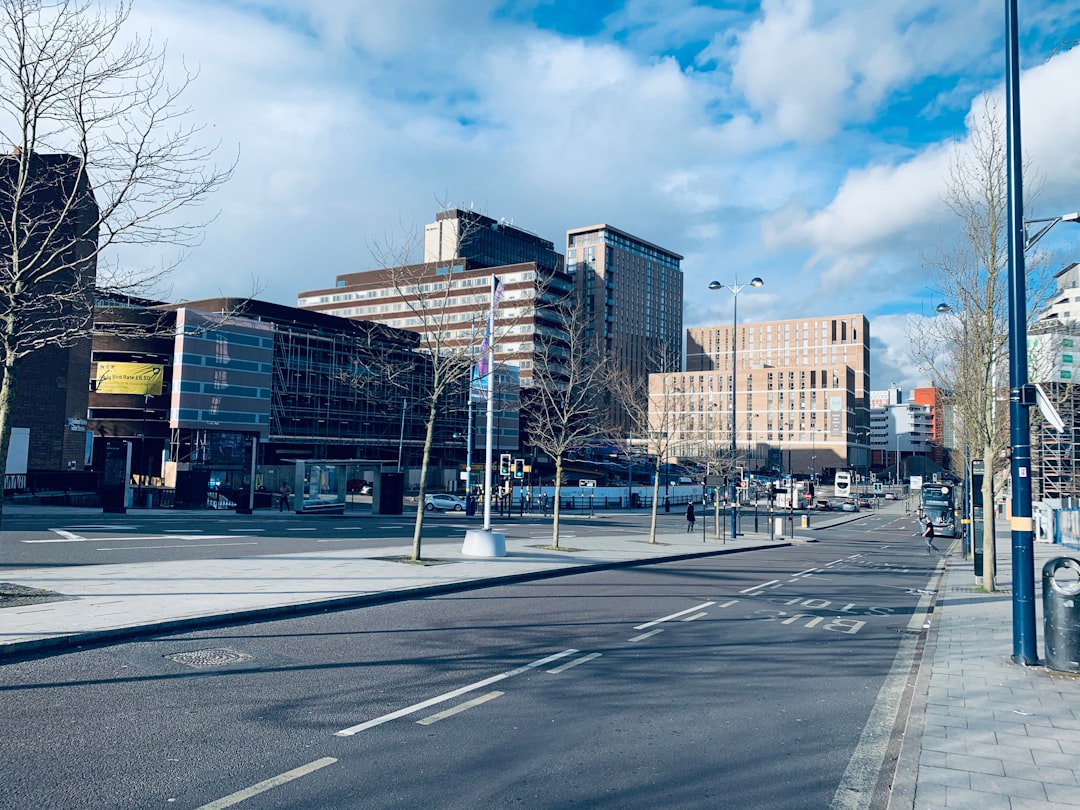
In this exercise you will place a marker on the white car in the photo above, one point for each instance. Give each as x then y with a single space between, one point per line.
890 496
849 506
444 503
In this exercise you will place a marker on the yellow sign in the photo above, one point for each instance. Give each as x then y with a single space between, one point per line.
129 378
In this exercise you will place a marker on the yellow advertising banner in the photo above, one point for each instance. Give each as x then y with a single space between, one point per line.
129 378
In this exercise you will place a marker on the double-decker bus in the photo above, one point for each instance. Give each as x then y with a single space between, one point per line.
938 502
842 484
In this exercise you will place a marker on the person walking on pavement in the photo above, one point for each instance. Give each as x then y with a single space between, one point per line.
283 496
928 533
690 517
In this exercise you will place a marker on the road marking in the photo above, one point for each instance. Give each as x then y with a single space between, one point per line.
806 572
472 687
352 528
758 587
468 704
247 529
729 603
132 539
173 545
267 784
674 615
302 529
650 634
696 616
574 663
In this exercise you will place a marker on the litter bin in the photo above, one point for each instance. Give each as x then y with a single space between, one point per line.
977 559
1061 613
780 527
470 506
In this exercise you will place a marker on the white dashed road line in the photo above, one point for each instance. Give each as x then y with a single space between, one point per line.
468 704
472 687
681 613
267 784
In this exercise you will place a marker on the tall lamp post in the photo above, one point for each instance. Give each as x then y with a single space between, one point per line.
735 289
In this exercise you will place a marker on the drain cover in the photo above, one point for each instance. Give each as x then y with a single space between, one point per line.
201 659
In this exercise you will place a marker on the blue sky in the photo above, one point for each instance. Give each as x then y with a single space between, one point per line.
803 141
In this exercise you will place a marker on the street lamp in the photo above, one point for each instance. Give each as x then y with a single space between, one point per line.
1029 241
734 289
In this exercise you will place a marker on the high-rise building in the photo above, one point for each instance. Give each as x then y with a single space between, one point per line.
801 394
631 292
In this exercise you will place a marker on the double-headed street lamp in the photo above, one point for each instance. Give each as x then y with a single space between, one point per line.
735 289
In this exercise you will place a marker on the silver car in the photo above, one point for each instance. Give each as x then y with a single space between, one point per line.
444 503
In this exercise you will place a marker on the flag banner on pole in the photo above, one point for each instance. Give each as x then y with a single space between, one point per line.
497 295
478 383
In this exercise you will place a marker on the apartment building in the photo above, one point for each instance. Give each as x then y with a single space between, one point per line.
798 402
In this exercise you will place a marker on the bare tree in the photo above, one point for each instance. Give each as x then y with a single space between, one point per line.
101 156
450 312
651 405
966 348
567 397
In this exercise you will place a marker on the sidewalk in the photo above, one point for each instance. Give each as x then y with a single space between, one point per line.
981 732
984 732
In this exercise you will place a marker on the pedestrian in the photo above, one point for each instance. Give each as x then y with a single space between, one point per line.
283 496
690 517
928 533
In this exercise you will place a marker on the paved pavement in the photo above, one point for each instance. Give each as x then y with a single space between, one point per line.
981 731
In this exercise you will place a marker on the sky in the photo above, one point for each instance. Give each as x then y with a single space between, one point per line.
806 142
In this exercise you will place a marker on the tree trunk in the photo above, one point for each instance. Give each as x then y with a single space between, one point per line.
418 527
655 499
7 401
555 506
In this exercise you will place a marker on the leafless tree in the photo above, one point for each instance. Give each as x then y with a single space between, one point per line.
651 408
965 348
101 155
567 396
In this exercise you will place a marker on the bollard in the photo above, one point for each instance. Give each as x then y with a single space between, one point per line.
1061 614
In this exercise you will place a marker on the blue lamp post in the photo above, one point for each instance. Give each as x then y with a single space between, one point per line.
735 289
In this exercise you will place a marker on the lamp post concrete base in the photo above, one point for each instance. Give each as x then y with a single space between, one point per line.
484 543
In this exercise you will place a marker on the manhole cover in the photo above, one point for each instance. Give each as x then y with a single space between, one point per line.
201 659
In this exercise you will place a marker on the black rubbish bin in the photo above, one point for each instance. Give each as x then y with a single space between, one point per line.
977 556
470 506
1061 613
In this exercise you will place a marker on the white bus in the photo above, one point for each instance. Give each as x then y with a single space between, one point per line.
842 484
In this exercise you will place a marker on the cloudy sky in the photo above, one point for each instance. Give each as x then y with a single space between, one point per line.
803 141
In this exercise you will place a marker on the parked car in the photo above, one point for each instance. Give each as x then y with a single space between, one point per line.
444 503
849 506
823 506
890 496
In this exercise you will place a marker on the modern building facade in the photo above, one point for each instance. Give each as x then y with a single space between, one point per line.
899 431
631 293
193 385
800 395
457 234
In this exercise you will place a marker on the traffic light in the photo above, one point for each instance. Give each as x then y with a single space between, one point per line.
504 464
519 468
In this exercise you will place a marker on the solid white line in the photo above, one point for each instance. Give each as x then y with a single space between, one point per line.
128 538
378 721
650 634
674 615
174 545
574 663
468 704
262 787
758 587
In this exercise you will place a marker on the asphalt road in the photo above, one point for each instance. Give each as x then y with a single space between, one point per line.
748 680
